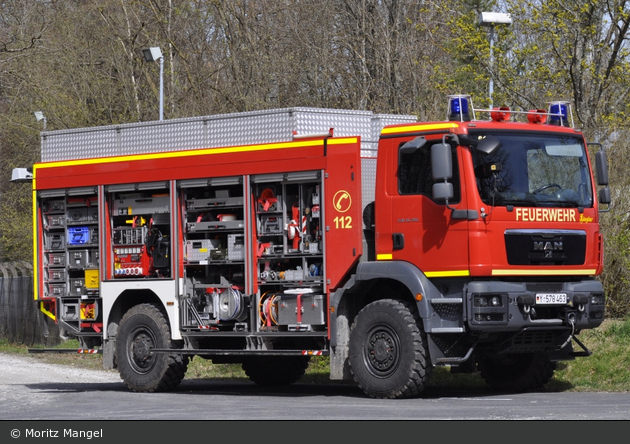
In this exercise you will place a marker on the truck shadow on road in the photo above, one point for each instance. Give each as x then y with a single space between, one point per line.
248 388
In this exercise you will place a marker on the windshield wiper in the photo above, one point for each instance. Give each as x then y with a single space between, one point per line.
562 203
519 203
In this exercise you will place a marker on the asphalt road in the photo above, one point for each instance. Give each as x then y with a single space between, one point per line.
32 390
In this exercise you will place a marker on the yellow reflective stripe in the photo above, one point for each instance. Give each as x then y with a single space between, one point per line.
46 312
420 127
342 141
586 272
460 273
196 152
35 238
35 256
384 257
453 273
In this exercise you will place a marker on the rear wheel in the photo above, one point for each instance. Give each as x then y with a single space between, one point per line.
142 328
275 370
388 350
516 372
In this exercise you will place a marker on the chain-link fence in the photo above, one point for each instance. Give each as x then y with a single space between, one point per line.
21 322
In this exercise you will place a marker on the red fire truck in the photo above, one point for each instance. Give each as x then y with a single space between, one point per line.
392 246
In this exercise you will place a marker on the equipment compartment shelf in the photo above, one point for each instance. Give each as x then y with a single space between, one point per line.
193 227
214 202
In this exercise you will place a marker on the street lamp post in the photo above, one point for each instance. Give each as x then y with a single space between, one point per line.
40 116
151 55
491 19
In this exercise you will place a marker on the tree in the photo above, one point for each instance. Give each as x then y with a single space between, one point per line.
22 25
80 62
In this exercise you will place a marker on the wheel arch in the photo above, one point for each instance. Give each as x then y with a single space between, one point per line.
128 299
374 281
383 280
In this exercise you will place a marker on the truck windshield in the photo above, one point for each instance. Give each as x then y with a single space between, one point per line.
534 170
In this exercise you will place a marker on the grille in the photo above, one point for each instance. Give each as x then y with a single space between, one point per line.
529 247
532 341
538 287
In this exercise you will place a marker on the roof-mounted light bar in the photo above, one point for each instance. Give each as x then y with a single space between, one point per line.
559 112
500 114
537 116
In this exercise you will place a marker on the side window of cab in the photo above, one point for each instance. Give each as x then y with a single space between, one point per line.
415 176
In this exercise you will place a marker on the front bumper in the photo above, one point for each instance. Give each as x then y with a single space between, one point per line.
496 306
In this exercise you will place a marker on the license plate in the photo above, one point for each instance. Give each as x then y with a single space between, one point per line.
551 298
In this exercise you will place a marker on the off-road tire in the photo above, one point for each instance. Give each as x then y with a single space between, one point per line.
388 352
275 370
144 327
516 373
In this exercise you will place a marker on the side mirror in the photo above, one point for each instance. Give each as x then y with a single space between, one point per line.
442 191
604 196
601 165
441 162
442 172
413 145
488 144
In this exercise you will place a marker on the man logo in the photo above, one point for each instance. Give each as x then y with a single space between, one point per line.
548 247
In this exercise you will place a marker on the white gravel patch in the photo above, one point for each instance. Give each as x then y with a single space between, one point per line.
16 369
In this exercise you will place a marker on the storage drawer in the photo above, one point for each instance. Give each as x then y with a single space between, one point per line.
54 241
82 236
76 286
305 309
57 274
79 259
56 259
57 290
55 221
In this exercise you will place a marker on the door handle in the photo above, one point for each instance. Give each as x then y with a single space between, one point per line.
398 240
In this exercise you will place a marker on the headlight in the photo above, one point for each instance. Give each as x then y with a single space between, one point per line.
597 299
488 301
481 301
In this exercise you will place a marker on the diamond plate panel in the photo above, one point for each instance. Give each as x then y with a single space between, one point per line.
214 131
225 130
368 181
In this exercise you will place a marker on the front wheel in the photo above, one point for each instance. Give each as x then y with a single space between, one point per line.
388 350
516 372
142 328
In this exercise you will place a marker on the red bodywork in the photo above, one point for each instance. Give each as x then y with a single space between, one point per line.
337 158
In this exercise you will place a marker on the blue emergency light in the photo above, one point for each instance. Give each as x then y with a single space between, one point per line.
559 113
459 108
